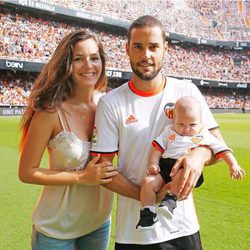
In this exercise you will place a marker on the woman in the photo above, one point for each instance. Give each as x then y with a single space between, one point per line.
74 209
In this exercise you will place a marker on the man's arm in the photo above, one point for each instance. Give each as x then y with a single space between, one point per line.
120 184
193 165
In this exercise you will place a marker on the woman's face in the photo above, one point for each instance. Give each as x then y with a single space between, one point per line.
86 63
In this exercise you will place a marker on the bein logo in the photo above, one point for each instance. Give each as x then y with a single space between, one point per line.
16 65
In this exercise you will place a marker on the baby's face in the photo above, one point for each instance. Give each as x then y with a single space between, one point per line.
187 123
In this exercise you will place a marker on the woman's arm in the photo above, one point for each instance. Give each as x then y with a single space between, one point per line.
39 133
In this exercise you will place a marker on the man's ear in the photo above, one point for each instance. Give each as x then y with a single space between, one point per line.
127 49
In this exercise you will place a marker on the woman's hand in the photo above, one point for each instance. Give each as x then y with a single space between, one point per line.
97 173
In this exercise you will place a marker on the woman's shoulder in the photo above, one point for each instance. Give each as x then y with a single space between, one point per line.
45 114
44 118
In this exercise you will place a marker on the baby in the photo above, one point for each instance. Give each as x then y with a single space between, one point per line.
186 133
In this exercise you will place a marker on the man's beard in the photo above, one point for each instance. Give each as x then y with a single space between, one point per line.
145 76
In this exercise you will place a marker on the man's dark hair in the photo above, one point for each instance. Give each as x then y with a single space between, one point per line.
146 21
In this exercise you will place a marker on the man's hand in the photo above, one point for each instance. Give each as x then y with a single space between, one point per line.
193 165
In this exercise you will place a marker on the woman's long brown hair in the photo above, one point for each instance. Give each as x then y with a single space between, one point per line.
53 85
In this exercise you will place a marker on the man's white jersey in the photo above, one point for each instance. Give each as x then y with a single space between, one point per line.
127 121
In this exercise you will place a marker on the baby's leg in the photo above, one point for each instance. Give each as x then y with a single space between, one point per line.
148 217
150 185
168 204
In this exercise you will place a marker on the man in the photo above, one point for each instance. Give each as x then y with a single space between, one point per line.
127 120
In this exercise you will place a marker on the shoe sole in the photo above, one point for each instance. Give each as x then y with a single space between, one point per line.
154 226
163 211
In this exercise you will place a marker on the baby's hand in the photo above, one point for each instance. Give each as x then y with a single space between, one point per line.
236 172
153 169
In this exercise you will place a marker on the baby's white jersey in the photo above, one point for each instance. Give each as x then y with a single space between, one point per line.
127 121
174 145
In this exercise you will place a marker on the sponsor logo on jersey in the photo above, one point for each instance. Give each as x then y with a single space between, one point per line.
131 119
169 110
197 139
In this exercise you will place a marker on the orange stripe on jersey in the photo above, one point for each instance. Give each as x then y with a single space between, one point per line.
145 93
93 153
157 146
220 154
205 146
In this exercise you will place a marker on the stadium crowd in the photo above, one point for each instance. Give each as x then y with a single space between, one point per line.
226 98
32 38
216 20
15 88
29 38
207 63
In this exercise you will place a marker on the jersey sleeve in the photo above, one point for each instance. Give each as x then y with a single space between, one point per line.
160 142
218 147
105 139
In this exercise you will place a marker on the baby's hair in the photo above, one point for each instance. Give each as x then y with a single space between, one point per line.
188 103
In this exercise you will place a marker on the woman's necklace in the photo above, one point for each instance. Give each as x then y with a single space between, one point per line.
84 114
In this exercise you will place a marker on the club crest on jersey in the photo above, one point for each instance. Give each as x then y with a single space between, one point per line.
131 119
94 137
171 137
197 139
169 110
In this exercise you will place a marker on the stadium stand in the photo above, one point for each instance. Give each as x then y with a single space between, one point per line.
32 37
15 88
226 99
209 19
